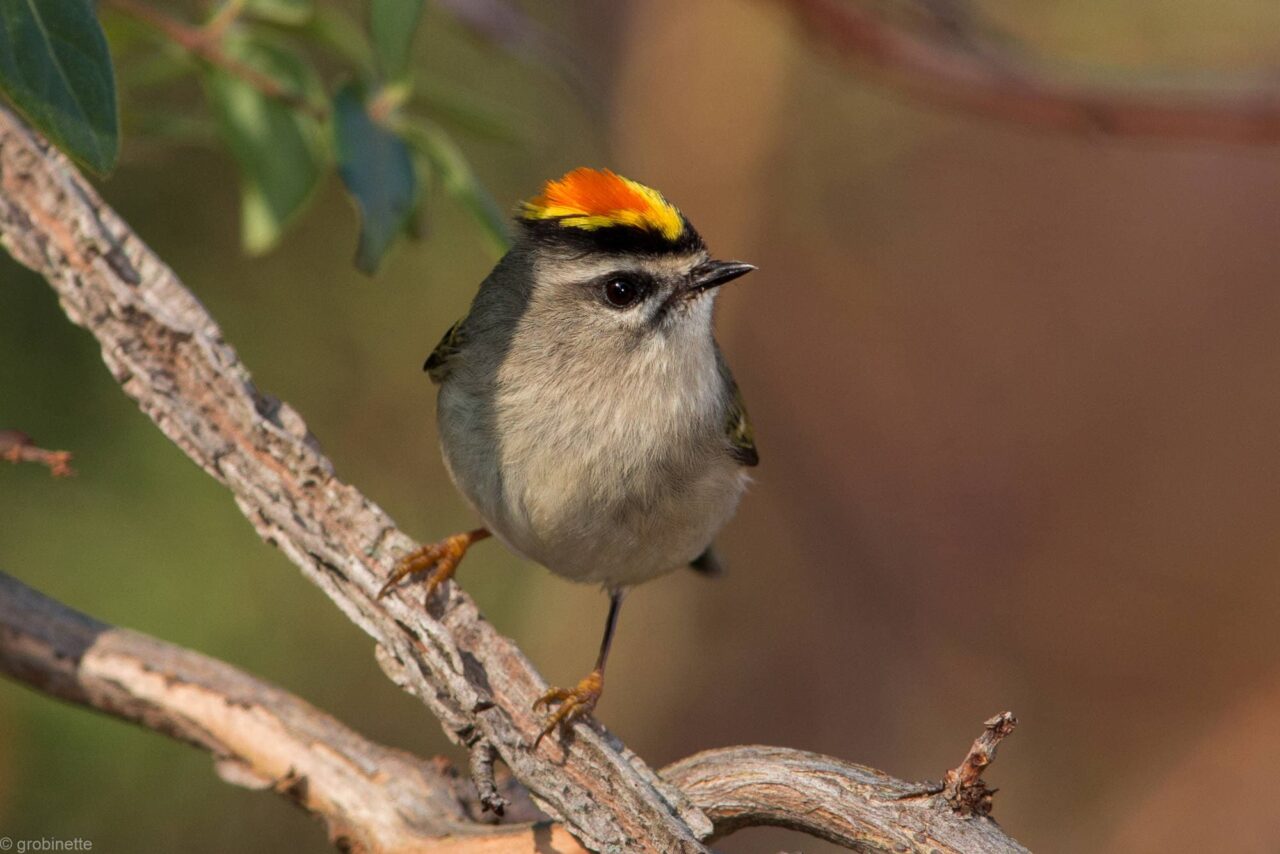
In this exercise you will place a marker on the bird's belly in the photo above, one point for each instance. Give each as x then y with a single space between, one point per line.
613 512
617 529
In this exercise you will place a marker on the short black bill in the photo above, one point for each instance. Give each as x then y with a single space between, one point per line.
713 274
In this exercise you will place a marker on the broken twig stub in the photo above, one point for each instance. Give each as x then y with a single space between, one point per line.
963 787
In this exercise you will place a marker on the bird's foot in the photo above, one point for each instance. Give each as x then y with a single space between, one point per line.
574 703
441 559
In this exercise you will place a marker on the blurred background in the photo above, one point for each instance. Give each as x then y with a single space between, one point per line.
1014 392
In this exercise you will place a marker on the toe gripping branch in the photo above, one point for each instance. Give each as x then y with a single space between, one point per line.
441 559
575 703
579 701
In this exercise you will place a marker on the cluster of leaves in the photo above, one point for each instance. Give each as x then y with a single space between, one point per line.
257 61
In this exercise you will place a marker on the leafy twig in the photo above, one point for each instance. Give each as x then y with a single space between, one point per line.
206 44
226 15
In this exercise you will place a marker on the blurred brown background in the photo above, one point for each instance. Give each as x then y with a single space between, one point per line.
1014 393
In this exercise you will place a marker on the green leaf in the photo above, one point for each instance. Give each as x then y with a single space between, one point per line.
278 146
55 68
392 24
459 181
377 169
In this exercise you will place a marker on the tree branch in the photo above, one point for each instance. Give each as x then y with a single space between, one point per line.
169 356
844 803
942 70
372 798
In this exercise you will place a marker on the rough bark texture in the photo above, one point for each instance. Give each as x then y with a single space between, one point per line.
850 805
371 797
945 68
963 787
168 355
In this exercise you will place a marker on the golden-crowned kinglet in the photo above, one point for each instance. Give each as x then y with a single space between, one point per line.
585 410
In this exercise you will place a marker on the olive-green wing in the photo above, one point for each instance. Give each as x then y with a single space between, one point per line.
737 424
437 364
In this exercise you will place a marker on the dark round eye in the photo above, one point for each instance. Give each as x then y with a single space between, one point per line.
621 292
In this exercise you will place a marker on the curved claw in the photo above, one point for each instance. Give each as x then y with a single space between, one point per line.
575 703
440 558
431 557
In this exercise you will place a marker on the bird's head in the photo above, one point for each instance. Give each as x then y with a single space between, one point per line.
611 257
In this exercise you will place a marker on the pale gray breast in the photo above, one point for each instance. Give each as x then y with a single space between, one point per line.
609 438
587 452
587 471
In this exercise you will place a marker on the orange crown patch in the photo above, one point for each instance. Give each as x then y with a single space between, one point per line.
598 198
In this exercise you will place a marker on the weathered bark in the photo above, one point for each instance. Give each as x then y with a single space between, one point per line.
371 797
844 803
168 355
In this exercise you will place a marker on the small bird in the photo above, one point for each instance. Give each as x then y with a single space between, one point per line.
585 410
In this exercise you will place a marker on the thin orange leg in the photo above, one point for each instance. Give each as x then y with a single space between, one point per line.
581 699
440 558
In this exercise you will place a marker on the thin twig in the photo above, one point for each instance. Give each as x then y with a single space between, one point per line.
950 73
17 447
483 757
226 15
206 44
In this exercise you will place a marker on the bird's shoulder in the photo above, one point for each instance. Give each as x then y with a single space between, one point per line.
439 363
737 423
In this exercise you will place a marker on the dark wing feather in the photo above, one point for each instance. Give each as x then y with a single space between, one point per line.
437 364
708 563
737 424
742 447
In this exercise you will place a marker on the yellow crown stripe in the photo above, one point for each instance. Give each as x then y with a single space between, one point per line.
591 199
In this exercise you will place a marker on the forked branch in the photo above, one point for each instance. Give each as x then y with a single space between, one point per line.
372 798
168 354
